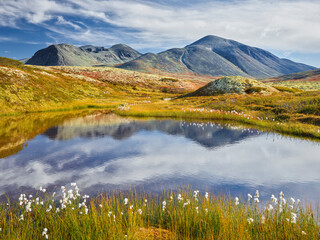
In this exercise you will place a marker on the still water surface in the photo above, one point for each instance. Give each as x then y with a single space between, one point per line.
106 152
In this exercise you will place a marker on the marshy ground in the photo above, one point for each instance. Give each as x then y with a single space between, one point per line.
185 214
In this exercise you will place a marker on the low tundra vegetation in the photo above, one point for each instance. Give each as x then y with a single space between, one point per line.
25 89
184 214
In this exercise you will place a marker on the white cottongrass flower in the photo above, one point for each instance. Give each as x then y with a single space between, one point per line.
236 201
256 200
100 205
195 193
139 211
45 233
180 198
21 217
163 208
292 200
86 210
28 207
303 233
270 207
125 201
206 195
249 197
73 184
49 209
293 217
250 220
274 199
131 206
263 219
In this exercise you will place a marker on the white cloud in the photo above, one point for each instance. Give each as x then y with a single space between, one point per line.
283 25
6 39
62 21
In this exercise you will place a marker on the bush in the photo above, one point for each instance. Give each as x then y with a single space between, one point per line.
255 90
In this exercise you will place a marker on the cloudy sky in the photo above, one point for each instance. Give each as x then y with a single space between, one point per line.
287 28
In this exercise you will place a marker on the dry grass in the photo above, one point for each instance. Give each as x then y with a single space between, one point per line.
185 214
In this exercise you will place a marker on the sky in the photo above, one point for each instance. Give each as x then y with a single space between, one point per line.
287 28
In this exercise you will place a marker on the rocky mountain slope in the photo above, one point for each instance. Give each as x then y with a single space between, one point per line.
69 55
217 56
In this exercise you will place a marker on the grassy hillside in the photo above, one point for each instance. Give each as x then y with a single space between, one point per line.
308 80
35 89
29 88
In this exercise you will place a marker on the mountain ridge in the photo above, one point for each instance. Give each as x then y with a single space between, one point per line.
216 56
89 55
210 55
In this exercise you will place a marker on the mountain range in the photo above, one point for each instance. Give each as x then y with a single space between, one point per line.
210 55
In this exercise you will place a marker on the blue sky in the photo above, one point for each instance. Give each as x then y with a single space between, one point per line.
287 28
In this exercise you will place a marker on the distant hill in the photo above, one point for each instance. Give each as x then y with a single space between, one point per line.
69 55
217 56
24 60
312 75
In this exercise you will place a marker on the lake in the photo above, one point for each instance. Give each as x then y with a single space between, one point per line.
105 152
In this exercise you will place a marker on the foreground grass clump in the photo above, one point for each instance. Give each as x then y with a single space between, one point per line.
183 215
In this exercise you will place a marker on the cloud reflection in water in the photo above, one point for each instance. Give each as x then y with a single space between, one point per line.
163 152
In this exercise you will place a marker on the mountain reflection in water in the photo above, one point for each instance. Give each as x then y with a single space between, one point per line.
106 152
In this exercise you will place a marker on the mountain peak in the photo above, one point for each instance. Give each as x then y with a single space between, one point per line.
214 42
217 56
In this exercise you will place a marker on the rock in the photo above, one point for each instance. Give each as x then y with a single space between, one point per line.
231 85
